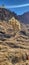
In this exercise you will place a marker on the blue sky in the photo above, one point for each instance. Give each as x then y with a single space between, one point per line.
16 5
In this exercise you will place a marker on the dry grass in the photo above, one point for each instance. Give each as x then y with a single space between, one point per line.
14 46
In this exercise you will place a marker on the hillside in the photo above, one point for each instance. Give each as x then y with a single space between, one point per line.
14 41
6 15
24 18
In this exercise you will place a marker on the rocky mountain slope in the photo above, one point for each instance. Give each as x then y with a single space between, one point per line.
24 18
14 42
6 15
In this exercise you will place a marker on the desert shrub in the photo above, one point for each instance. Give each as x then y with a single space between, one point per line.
23 32
15 60
24 57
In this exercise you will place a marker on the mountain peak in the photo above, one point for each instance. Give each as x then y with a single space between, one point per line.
24 18
6 15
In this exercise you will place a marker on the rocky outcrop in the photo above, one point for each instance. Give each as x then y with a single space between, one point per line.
15 24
